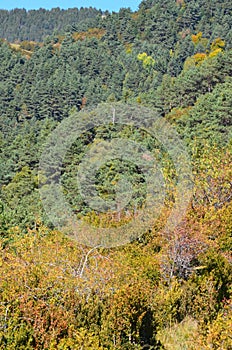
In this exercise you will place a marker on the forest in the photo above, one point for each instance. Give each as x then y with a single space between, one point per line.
112 96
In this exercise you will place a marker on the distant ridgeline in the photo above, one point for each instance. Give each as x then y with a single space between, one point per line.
36 25
156 20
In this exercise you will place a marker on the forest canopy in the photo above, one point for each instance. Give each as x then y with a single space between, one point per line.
163 289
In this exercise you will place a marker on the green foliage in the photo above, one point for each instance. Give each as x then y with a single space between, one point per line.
164 290
36 25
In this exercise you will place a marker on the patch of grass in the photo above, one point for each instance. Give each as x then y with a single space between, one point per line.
181 336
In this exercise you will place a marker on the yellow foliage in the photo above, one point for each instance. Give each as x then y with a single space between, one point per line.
217 43
216 47
219 331
128 47
147 60
215 52
142 56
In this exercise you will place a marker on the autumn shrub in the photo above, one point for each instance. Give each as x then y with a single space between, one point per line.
205 292
217 334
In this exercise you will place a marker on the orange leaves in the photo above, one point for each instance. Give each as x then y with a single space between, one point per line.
196 38
199 57
126 315
91 33
216 47
39 285
177 113
195 60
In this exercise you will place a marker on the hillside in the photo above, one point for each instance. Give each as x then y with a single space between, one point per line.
124 121
36 25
